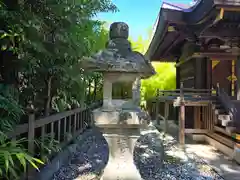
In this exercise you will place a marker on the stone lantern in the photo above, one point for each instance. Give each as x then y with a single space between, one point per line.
119 119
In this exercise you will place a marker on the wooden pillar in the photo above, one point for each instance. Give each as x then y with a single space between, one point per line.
157 108
177 87
238 77
166 115
182 118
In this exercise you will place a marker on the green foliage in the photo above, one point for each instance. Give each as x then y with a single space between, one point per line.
42 43
165 77
11 154
10 111
13 157
48 146
50 39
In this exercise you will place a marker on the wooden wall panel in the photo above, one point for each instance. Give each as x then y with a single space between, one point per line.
207 117
220 74
197 117
187 74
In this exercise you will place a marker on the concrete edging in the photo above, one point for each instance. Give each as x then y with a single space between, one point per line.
46 173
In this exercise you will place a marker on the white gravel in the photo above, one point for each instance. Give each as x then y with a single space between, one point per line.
92 156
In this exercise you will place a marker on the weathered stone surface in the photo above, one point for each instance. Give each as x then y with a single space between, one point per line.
120 164
118 55
131 106
119 30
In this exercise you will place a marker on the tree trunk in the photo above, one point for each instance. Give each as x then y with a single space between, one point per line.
47 107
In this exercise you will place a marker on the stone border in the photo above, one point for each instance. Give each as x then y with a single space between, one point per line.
47 172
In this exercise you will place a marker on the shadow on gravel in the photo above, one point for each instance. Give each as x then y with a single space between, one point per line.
89 160
148 155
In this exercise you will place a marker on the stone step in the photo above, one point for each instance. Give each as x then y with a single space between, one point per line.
224 117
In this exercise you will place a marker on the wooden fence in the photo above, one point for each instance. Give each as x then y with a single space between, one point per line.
58 126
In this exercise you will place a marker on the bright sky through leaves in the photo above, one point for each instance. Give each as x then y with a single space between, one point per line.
139 14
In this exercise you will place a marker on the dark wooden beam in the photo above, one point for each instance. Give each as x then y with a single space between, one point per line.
179 37
193 56
219 55
183 62
220 32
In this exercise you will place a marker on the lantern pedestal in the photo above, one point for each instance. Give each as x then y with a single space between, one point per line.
121 131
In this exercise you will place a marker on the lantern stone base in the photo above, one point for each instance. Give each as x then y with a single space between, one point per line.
121 133
120 165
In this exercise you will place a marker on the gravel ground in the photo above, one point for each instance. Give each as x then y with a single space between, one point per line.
88 162
177 165
92 156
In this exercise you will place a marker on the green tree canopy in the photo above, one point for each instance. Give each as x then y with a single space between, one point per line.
47 39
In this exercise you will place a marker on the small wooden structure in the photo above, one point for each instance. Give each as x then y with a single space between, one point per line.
181 98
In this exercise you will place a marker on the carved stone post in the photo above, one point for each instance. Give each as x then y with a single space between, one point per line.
136 94
107 93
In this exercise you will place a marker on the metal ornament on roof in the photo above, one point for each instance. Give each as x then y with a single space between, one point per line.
118 55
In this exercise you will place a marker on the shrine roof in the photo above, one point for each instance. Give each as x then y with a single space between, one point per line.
178 23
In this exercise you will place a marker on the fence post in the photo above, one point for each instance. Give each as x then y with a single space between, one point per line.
182 117
157 108
31 132
166 116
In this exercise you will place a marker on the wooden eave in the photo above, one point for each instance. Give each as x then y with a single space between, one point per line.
188 25
162 38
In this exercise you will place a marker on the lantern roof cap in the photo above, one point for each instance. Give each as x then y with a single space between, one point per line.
118 55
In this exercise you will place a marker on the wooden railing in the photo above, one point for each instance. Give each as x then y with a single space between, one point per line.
185 92
226 101
153 104
59 125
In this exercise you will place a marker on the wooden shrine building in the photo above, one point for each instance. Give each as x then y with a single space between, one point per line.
204 42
